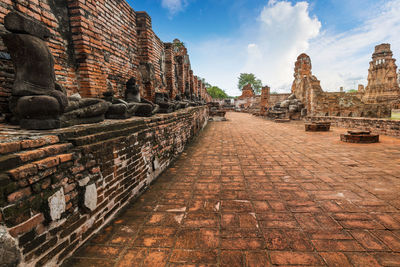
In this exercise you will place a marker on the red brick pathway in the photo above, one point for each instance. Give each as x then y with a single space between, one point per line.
250 192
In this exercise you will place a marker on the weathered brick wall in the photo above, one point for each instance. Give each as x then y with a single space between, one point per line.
96 43
378 126
87 172
338 104
104 44
92 41
277 98
347 105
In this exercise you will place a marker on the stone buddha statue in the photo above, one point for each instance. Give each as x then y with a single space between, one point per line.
118 108
166 106
83 111
188 96
145 108
37 102
182 104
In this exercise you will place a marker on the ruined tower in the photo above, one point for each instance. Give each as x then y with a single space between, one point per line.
247 92
382 85
305 85
265 94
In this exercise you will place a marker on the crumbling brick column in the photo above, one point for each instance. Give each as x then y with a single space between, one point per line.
265 93
195 86
191 82
171 70
145 49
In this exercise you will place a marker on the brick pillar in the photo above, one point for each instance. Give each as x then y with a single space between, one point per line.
191 82
265 93
181 74
170 66
88 48
186 64
202 91
145 49
195 85
199 88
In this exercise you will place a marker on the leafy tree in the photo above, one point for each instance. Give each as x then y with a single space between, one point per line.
249 78
352 91
216 92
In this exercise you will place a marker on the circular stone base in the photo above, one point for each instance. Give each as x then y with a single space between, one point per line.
360 137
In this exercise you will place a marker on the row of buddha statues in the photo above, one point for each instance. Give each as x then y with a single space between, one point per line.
38 102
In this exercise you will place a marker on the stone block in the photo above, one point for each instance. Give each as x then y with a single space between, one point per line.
9 252
90 197
57 205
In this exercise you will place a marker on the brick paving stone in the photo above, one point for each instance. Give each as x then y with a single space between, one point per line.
250 192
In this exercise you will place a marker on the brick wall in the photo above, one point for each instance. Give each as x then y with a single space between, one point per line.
88 172
378 126
277 98
95 43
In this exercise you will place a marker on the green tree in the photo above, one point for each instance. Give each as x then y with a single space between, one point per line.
216 92
249 78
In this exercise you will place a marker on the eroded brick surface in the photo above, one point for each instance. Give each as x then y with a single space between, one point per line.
250 192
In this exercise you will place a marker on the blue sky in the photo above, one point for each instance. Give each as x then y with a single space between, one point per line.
227 37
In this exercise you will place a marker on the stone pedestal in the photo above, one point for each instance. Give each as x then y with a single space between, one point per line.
361 137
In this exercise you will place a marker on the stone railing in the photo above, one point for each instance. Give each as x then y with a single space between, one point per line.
378 126
60 187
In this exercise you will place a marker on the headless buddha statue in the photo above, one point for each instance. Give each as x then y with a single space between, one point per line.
145 108
37 102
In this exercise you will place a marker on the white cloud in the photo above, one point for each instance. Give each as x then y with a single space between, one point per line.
342 59
284 31
270 45
272 2
174 6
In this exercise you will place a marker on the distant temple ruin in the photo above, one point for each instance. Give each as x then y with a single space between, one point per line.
376 100
383 86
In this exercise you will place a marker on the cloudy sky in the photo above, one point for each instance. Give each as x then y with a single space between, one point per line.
228 37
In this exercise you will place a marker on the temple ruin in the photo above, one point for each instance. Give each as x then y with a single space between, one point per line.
376 100
95 52
95 107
